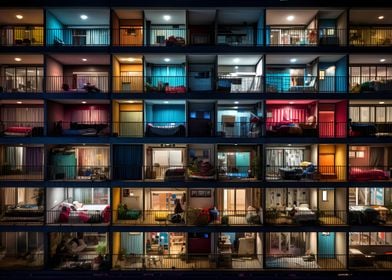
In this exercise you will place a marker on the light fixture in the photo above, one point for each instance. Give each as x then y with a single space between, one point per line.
381 102
19 102
166 102
130 59
293 60
84 59
131 101
83 17
289 145
19 16
84 102
382 60
291 102
290 18
235 144
236 102
17 59
381 17
324 195
236 59
166 59
131 193
167 17
325 233
235 107
235 67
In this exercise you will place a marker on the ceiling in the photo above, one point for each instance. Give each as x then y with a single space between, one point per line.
243 59
76 59
72 16
159 59
301 17
370 16
129 101
371 59
26 59
201 17
8 16
156 17
287 102
329 14
129 13
238 16
124 59
240 102
181 102
201 58
285 59
24 102
79 101
370 102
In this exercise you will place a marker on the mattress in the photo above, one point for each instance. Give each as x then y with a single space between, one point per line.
18 131
290 262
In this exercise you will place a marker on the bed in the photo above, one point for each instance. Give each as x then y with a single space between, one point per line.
23 213
362 129
366 174
77 212
291 262
162 131
304 214
359 259
77 129
363 215
18 131
285 129
201 170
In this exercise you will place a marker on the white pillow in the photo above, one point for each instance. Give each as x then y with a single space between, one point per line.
304 205
78 204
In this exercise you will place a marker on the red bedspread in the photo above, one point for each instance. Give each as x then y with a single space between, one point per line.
363 174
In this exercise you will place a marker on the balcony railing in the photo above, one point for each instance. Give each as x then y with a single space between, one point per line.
166 37
22 36
240 83
78 84
369 173
21 172
21 129
21 84
370 36
78 217
239 129
370 129
166 84
78 172
301 216
78 37
306 173
82 128
79 261
306 129
306 261
28 214
31 260
370 84
127 84
165 129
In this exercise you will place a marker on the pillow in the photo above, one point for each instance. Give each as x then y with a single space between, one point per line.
78 204
304 205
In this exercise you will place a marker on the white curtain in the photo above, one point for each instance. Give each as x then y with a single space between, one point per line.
97 36
22 115
15 156
10 196
93 156
89 116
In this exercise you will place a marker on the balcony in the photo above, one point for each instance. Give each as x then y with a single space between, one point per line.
305 216
377 36
166 84
362 173
80 37
240 83
311 172
306 129
21 84
83 128
77 84
22 214
11 172
22 129
78 173
22 36
366 84
64 216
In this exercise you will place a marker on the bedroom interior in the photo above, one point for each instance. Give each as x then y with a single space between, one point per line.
127 73
127 27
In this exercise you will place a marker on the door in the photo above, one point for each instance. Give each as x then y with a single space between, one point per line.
326 245
327 164
131 124
327 124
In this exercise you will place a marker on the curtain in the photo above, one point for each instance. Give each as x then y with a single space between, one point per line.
174 75
167 114
132 242
34 158
293 157
93 156
376 157
98 36
10 196
288 114
127 160
83 195
22 116
219 198
89 115
14 156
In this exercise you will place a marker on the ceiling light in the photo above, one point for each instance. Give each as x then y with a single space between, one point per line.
19 16
131 101
83 17
19 102
291 102
382 60
236 102
84 59
293 60
17 59
381 17
381 102
166 59
236 59
167 17
235 107
235 67
84 102
130 59
166 102
290 18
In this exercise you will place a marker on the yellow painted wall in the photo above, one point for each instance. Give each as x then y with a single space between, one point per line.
116 201
116 74
340 161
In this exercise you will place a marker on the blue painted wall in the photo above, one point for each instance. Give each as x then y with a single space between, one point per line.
54 29
341 75
326 245
260 30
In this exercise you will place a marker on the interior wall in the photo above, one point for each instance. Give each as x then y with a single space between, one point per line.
115 28
312 245
341 26
330 203
340 161
202 202
354 162
134 201
340 247
116 68
54 196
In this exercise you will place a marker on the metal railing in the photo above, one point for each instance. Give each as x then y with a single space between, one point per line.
304 261
166 84
239 129
22 36
79 261
78 84
21 84
306 129
165 129
370 36
240 83
166 37
78 37
370 129
306 173
21 172
370 84
76 217
21 214
30 260
369 173
299 216
82 128
21 128
78 172
126 84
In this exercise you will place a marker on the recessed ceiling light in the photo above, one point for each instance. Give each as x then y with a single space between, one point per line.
382 60
235 67
130 59
381 17
291 102
293 60
83 17
167 17
84 102
236 102
235 107
17 59
166 59
19 102
235 144
166 102
84 59
381 102
131 101
290 18
236 59
19 16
